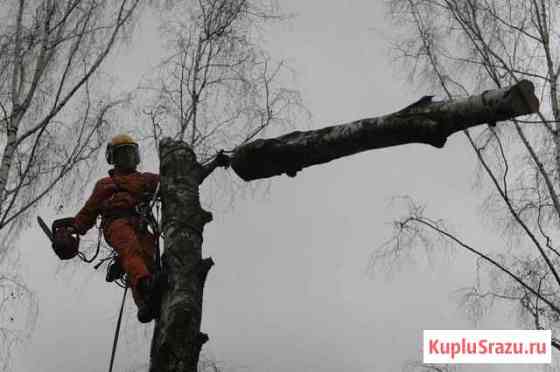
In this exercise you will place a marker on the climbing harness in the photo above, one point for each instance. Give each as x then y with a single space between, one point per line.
144 210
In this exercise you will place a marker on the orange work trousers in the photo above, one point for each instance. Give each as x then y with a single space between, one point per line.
135 250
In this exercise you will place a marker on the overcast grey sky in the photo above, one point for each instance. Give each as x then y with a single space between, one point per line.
290 291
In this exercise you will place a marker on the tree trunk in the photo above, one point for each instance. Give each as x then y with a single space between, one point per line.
422 122
177 338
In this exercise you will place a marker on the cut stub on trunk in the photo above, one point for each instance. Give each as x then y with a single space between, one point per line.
422 122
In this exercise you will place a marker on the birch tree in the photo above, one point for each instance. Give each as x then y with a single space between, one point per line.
184 119
52 119
456 48
216 88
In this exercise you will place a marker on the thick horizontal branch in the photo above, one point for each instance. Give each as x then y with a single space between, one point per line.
422 122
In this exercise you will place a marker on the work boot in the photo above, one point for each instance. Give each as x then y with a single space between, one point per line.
149 288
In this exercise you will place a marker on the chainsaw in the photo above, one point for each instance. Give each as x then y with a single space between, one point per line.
65 240
65 243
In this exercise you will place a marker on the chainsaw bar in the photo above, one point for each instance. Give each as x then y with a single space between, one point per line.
45 228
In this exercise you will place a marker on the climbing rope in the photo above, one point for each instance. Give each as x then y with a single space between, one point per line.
158 235
117 330
154 222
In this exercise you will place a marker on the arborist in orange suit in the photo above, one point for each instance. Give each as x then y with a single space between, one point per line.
115 198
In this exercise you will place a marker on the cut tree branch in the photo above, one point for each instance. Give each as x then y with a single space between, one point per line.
424 121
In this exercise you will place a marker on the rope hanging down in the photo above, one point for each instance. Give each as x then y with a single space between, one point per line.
117 330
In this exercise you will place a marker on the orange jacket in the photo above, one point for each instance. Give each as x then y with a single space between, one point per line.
121 191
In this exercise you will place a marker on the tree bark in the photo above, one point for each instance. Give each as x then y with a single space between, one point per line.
422 122
177 338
